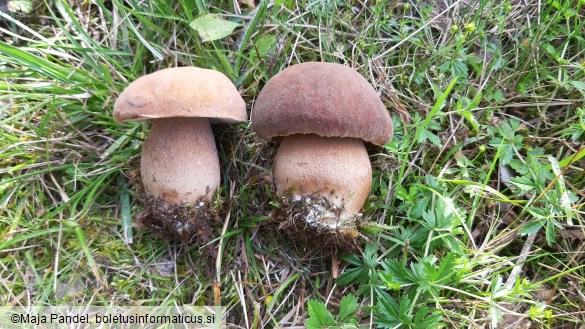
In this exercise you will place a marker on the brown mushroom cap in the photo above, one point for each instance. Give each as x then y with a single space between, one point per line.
327 99
181 92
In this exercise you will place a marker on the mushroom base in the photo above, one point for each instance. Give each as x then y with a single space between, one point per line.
331 177
194 224
303 221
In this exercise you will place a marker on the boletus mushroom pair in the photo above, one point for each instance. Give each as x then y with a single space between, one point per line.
320 112
323 112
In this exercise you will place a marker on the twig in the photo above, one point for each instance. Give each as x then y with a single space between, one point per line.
335 265
217 283
518 267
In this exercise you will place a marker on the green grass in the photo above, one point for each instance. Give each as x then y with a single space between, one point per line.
475 215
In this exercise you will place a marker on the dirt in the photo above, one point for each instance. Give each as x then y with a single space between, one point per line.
194 224
303 220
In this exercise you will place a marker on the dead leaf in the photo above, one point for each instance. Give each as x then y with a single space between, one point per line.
249 3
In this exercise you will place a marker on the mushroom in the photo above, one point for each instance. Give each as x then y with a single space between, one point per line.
324 112
179 158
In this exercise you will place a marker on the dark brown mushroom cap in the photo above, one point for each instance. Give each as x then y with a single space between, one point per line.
181 92
327 99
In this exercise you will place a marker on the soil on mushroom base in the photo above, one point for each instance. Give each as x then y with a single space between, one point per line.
299 219
193 224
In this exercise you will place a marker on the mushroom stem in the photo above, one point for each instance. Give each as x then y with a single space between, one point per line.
334 168
180 161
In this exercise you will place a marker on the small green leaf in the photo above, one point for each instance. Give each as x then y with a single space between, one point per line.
524 183
498 96
319 316
531 228
444 67
423 320
352 275
560 182
388 313
347 308
550 232
469 117
20 6
211 27
427 135
495 315
438 105
459 69
265 44
290 4
371 255
383 188
579 85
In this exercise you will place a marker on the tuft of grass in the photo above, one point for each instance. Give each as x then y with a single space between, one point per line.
475 217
